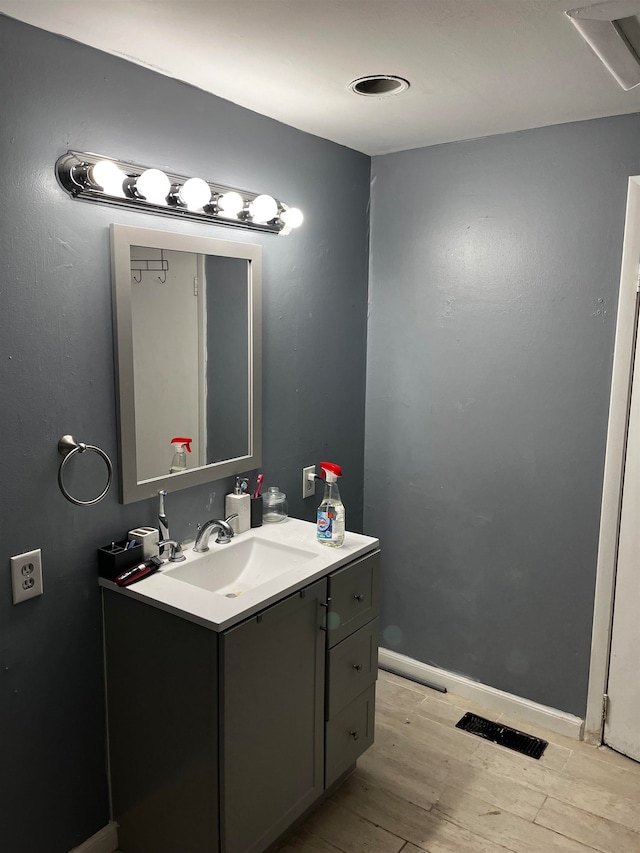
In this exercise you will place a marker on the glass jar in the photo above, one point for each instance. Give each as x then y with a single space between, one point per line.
275 507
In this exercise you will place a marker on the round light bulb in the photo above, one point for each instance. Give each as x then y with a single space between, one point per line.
154 186
231 203
195 193
263 208
292 217
109 176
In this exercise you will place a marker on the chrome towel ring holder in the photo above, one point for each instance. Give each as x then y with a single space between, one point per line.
68 447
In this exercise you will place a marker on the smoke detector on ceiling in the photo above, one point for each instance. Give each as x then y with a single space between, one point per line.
612 30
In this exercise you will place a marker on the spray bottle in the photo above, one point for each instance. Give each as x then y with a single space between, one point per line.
179 461
331 515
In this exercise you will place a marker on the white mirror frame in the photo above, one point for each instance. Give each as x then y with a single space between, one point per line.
122 238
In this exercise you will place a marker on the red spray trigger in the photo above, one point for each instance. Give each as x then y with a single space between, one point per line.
332 468
185 441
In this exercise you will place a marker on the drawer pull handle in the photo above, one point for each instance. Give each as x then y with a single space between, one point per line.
359 597
355 735
357 667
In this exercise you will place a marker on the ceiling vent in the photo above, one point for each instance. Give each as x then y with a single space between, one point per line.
612 30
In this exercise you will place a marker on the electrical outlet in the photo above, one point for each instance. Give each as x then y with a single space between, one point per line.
308 485
26 575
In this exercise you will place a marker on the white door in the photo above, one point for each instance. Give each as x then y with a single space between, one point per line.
622 726
164 352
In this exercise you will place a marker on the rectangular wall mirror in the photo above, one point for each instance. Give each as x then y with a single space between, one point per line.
187 323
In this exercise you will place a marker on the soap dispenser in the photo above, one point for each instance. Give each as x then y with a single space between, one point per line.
239 503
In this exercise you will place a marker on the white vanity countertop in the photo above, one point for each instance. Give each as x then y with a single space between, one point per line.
217 612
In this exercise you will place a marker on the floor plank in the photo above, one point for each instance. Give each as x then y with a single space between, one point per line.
592 796
515 797
349 832
623 782
424 829
599 832
384 809
449 838
305 841
503 827
391 771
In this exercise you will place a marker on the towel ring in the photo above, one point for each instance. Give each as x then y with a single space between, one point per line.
68 447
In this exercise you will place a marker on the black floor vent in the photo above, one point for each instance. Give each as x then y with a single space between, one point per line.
502 735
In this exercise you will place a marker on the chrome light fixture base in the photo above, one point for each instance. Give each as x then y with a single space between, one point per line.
77 174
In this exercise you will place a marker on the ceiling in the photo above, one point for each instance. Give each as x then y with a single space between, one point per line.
476 67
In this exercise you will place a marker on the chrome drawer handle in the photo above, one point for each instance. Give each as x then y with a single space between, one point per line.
355 735
357 667
359 597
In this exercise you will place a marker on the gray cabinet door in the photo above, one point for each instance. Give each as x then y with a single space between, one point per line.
272 720
161 673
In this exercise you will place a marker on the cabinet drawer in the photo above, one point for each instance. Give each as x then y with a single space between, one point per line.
348 735
353 593
352 667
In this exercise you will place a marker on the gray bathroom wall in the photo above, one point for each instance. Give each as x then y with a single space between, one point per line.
493 290
57 376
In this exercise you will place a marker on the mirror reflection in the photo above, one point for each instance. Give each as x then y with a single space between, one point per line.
190 320
187 337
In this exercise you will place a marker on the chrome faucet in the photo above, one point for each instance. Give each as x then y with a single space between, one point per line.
176 554
225 533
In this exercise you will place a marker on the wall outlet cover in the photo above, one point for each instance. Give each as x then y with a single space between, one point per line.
308 485
26 575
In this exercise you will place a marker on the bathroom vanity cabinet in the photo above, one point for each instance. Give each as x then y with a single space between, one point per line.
220 741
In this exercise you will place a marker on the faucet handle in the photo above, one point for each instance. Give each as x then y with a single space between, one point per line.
226 533
176 554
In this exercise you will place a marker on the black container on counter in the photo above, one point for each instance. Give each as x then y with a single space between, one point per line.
115 558
256 511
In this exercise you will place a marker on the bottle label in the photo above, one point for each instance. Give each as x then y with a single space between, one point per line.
325 524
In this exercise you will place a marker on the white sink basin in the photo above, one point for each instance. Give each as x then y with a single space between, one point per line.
232 582
239 567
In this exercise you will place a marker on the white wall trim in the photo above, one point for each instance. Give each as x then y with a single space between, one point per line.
614 467
506 703
104 841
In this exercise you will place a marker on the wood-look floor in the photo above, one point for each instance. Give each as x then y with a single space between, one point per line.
426 785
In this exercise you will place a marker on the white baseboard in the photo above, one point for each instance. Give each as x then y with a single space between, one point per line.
104 841
513 706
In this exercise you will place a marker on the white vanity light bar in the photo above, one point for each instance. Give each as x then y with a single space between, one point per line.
92 177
